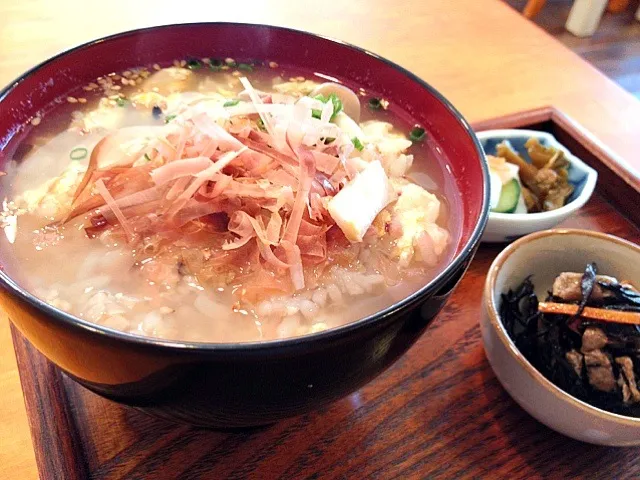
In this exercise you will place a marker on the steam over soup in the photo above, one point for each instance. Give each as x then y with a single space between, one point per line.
222 202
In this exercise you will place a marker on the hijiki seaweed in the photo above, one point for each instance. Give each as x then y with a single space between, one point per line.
595 361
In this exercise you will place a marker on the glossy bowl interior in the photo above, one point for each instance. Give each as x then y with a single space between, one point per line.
543 255
90 353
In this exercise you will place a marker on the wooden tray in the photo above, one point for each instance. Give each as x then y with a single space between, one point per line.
438 412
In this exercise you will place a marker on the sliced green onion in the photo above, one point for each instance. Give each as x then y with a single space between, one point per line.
335 100
168 118
231 64
417 134
245 66
121 101
215 65
78 153
193 64
231 103
337 105
375 104
357 143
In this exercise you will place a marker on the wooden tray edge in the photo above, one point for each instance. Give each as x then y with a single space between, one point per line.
55 437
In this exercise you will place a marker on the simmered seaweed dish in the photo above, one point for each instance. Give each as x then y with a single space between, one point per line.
221 201
585 337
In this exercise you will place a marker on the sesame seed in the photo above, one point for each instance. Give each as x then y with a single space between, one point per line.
292 79
116 87
300 79
236 74
35 121
156 66
127 73
82 100
87 88
176 63
72 100
93 85
225 67
229 60
116 77
183 63
138 81
206 60
273 65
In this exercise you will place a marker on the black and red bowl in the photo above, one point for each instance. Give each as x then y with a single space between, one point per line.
232 385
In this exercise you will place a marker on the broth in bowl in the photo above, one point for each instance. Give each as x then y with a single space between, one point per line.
217 201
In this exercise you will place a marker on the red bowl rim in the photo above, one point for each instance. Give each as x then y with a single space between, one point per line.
333 334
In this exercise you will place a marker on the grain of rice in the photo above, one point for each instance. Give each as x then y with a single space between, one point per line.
207 307
117 322
319 297
292 309
288 326
308 309
151 323
334 293
264 309
318 327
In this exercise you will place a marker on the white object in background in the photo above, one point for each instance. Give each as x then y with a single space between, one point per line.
585 16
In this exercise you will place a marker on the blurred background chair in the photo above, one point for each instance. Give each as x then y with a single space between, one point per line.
584 16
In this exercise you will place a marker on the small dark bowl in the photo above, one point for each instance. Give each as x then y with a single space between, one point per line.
234 385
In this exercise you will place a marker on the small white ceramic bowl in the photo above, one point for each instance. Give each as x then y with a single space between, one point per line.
505 227
544 255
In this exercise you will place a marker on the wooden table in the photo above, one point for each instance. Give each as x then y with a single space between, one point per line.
482 55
